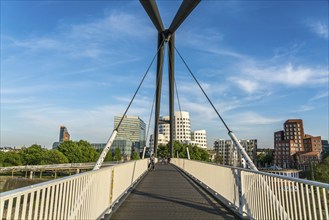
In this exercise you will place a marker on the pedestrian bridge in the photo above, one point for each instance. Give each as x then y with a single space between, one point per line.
185 189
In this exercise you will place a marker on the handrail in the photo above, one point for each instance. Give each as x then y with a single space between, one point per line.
87 195
260 195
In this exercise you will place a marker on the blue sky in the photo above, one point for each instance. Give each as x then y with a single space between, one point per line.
78 63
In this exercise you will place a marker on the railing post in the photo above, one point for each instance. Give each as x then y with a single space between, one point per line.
240 191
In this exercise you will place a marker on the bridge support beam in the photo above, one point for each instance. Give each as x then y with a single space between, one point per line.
171 73
158 91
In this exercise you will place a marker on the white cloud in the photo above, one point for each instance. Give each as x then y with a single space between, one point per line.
255 77
253 118
304 108
246 85
90 40
320 95
115 26
319 28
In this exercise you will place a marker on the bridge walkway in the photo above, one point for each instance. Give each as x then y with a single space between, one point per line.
166 193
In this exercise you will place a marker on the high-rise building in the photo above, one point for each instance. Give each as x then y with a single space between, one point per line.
292 148
130 136
63 134
325 146
231 156
287 142
200 138
312 152
182 131
162 139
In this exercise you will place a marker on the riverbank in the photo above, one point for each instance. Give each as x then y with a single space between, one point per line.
14 182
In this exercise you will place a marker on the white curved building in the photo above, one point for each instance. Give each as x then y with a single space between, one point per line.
182 131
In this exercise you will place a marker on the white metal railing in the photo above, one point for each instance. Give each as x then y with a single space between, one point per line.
53 166
87 195
260 195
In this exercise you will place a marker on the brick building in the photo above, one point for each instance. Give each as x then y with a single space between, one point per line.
294 149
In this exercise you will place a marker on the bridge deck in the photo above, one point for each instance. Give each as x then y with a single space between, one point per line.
166 193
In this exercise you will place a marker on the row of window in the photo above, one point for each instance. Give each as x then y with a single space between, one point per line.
292 125
292 133
284 152
292 129
183 119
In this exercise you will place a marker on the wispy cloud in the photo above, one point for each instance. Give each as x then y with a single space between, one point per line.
319 28
304 108
253 118
320 96
112 27
247 85
89 39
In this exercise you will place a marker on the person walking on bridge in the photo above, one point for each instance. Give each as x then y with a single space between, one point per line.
152 162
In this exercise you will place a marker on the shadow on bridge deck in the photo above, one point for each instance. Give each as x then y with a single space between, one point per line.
166 193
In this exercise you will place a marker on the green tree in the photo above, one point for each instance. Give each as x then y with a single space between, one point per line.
109 156
204 155
72 151
33 155
55 157
265 158
2 158
179 148
89 154
163 151
196 153
12 158
78 152
117 154
321 171
135 156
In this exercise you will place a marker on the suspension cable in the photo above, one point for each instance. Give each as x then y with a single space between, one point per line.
140 84
149 125
180 110
202 90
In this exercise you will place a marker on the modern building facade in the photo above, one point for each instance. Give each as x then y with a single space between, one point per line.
325 147
200 138
162 139
182 131
63 136
130 136
293 148
98 146
231 156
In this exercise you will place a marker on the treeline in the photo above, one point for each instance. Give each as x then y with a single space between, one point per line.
67 152
320 172
196 153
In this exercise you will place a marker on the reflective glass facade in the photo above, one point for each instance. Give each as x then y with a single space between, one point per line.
131 134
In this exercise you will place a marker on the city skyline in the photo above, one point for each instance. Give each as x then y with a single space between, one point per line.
78 64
